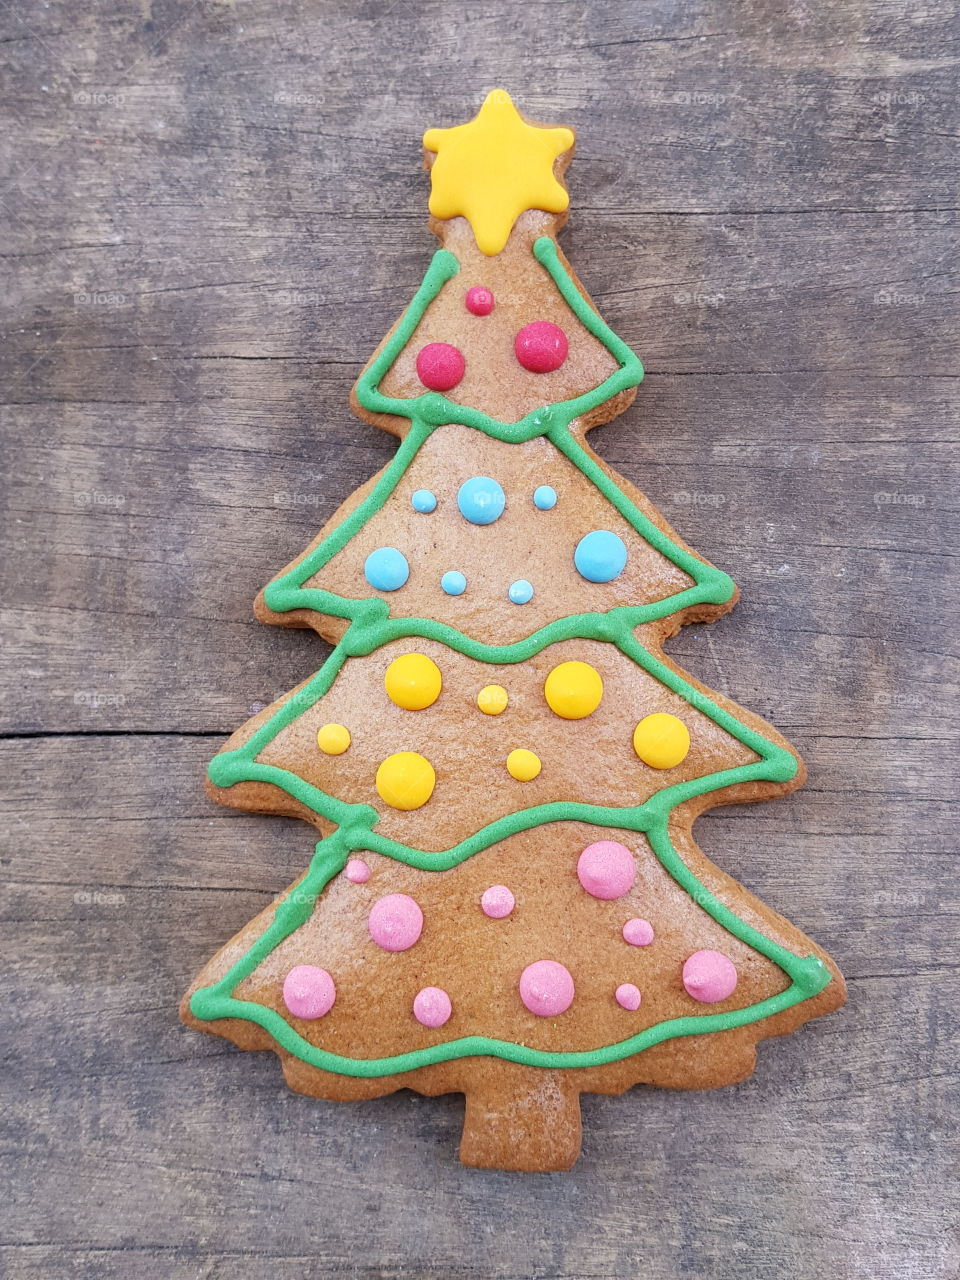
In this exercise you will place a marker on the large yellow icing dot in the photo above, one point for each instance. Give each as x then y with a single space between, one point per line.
573 690
661 740
523 765
333 739
413 681
492 169
406 780
492 699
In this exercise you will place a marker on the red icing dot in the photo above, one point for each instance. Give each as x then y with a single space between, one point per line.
541 346
440 366
479 300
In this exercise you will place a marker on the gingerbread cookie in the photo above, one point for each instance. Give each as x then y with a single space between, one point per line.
506 900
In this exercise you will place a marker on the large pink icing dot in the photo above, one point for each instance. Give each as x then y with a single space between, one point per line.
546 988
541 346
709 976
308 992
639 933
497 901
479 300
606 869
432 1007
628 996
357 871
440 366
396 922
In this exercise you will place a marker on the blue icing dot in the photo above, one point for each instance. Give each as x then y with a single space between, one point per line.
520 591
453 583
386 569
424 501
544 498
600 556
481 500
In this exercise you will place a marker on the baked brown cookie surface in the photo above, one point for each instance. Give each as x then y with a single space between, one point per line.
503 765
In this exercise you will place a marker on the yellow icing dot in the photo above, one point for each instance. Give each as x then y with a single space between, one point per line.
661 740
492 169
406 780
492 700
333 739
573 690
523 765
413 681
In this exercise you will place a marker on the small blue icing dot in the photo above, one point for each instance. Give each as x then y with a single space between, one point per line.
424 501
481 500
386 569
544 498
453 583
600 556
521 591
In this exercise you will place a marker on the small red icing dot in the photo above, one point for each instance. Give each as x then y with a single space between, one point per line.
440 366
541 346
479 300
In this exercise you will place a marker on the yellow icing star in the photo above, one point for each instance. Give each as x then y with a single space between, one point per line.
492 169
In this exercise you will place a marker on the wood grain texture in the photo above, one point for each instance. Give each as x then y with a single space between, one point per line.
213 211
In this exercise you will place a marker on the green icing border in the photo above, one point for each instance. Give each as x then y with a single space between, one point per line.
371 626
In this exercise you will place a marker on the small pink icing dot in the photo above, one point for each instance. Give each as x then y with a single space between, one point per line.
440 366
709 976
497 901
628 996
396 922
308 992
606 869
357 871
639 933
541 346
432 1007
546 988
479 300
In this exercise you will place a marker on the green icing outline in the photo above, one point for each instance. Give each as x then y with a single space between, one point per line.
372 626
429 411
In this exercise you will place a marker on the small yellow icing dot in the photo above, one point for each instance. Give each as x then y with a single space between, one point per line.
661 740
492 699
573 690
523 765
333 739
413 681
406 780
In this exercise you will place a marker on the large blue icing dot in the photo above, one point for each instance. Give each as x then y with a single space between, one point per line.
424 501
544 497
521 592
600 556
481 500
453 583
386 569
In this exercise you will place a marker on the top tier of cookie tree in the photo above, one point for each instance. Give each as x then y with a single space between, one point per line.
499 336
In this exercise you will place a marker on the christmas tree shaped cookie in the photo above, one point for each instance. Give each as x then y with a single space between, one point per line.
506 900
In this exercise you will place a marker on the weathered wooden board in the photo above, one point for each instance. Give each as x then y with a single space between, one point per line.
212 212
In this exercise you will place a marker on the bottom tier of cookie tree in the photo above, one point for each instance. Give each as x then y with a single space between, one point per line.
564 957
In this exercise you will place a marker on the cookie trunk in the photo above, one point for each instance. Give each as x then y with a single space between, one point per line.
521 1120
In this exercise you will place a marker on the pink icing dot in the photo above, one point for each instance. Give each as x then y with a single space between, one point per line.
639 933
606 869
357 871
432 1007
541 346
479 300
546 988
396 922
440 366
709 976
308 992
628 996
497 901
